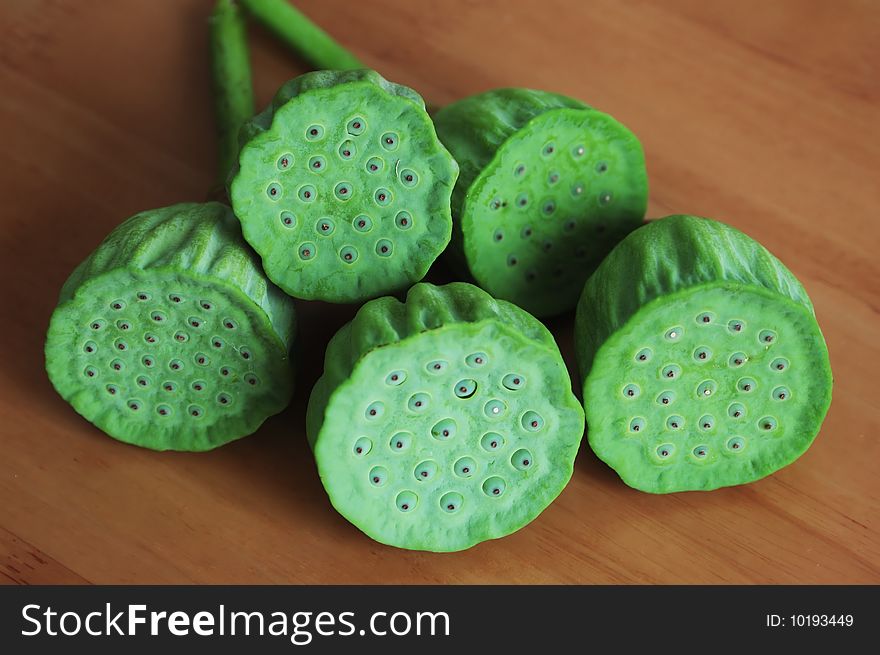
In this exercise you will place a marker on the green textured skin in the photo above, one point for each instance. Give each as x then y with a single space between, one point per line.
173 313
548 186
383 233
702 361
439 343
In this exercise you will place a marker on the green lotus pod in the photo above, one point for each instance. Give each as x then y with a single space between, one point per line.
443 421
548 186
169 336
702 361
343 187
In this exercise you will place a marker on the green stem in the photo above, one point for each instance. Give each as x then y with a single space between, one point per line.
299 33
233 90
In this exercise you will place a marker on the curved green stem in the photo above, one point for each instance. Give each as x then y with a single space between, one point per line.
303 36
233 91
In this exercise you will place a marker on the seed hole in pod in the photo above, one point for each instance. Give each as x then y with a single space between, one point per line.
637 424
384 248
578 151
548 207
158 317
465 467
356 126
314 132
644 355
522 200
673 333
169 386
767 424
706 388
553 178
375 410
148 360
112 389
90 347
418 402
117 365
390 141
400 442
495 204
736 326
181 337
343 191
631 391
317 164
666 398
348 254
436 366
143 296
151 338
465 388
362 223
737 359
195 322
781 393
406 501
601 167
444 429
347 150
736 410
216 342
117 305
475 360
548 149
134 405
491 442
532 421
382 196
325 227
494 486
707 422
195 411
451 502
252 379
526 232
274 191
605 198
408 177
307 250
375 164
547 246
142 381
705 318
675 422
512 260
702 354
284 161
570 225
498 235
779 364
395 378
176 298
199 385
522 459
224 399
736 444
746 385
665 451
513 381
403 220
378 476
494 408
670 371
700 452
123 325
245 353
425 471
307 193
577 189
97 324
175 365
519 170
766 337
361 447
206 305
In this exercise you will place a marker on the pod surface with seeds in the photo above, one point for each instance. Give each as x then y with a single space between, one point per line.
169 336
547 187
702 361
343 187
443 421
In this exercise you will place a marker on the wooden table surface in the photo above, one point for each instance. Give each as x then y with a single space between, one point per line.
763 115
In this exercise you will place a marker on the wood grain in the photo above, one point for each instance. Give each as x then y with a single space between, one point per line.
763 115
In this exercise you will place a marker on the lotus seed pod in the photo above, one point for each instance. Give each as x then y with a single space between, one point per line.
548 186
702 361
169 336
444 421
343 187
